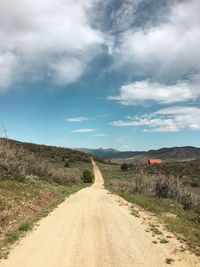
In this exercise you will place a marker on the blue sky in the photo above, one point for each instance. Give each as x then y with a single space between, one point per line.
121 74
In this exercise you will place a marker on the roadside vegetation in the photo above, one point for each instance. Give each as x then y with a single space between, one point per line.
34 179
88 176
175 201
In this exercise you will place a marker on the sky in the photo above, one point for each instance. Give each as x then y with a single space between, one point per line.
101 73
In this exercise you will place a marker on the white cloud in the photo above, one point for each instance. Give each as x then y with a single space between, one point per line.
166 54
8 63
77 119
45 37
83 130
172 119
100 135
142 91
67 71
167 50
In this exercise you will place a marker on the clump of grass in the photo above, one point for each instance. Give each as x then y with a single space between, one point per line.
155 242
164 241
12 237
154 229
169 260
135 213
4 254
27 226
183 248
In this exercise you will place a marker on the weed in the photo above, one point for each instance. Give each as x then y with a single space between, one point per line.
135 213
12 237
164 241
169 260
183 248
4 254
154 229
25 226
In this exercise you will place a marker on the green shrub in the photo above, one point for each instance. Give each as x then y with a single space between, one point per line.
67 165
25 226
124 167
87 176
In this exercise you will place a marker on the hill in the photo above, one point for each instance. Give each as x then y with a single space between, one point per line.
34 179
48 152
163 153
100 152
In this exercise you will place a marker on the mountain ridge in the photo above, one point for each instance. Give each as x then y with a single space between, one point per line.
162 153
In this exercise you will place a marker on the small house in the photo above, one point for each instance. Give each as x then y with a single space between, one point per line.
154 161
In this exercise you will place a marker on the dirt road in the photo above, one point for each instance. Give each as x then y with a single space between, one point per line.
95 228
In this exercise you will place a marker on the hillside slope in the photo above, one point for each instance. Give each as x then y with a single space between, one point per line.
45 151
33 179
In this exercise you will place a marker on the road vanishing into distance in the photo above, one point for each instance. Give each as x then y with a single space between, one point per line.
96 228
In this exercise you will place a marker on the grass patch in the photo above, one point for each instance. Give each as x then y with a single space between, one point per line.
27 226
135 213
12 237
164 241
169 260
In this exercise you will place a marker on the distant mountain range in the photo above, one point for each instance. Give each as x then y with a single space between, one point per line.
162 153
100 152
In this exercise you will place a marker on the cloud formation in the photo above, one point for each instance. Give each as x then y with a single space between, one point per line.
77 119
166 50
142 91
172 119
84 130
101 135
45 40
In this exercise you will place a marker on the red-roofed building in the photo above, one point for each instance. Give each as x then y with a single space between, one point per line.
154 161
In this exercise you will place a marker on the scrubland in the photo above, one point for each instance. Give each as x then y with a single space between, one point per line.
168 190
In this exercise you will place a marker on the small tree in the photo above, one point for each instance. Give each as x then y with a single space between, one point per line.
87 176
124 167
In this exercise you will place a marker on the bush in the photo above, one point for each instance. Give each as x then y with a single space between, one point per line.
124 167
87 176
162 189
66 165
186 201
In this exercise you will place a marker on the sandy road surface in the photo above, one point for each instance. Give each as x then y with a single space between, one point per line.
95 228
